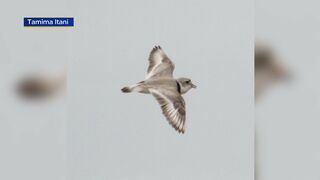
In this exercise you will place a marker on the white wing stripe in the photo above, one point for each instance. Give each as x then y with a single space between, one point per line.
171 112
151 73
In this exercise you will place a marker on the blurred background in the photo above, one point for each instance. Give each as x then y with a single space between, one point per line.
32 129
287 110
32 132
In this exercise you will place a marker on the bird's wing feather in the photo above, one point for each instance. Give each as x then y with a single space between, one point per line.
159 64
173 107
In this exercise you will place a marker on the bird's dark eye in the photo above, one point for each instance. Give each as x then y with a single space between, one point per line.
188 81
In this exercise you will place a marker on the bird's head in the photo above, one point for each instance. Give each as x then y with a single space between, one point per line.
185 85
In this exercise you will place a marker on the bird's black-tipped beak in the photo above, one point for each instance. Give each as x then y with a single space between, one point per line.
193 86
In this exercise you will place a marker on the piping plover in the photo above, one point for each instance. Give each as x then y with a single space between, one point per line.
160 83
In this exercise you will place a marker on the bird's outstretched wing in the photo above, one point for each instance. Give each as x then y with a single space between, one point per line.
173 107
159 64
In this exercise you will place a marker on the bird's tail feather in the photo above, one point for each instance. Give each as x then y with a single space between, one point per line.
126 89
135 88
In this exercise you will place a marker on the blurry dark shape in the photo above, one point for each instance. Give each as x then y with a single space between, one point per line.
268 69
41 86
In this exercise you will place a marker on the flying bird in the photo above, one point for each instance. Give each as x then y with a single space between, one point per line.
167 91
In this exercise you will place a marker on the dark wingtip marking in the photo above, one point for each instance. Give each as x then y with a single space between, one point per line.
157 47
